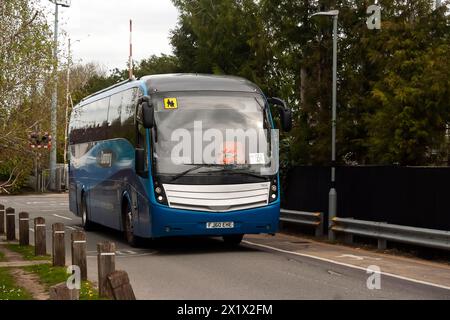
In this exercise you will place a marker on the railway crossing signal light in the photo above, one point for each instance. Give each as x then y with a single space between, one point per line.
34 140
46 141
40 141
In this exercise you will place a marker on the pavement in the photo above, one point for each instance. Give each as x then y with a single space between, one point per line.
264 267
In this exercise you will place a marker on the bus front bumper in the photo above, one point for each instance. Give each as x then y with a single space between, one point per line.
171 222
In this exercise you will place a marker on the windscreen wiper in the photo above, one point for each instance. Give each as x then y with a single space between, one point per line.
199 166
246 173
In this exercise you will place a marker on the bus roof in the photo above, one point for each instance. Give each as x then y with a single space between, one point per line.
126 84
178 82
198 82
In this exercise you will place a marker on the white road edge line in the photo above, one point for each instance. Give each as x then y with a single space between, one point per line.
346 265
62 217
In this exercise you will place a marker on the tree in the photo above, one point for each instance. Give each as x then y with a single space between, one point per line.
25 64
221 37
408 125
157 65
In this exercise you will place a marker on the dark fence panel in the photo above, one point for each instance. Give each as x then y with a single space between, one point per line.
410 196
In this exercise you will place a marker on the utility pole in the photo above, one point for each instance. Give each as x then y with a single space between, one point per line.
67 103
54 105
332 196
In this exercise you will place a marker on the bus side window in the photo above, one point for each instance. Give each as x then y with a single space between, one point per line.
75 126
80 124
141 141
141 132
115 110
98 112
114 116
129 100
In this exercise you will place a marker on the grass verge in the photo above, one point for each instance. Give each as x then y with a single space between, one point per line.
27 252
49 276
2 257
8 288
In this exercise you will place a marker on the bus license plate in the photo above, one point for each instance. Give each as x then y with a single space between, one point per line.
219 225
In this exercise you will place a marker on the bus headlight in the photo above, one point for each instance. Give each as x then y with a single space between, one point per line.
273 195
160 194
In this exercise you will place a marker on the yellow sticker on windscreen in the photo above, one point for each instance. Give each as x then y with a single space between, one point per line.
170 103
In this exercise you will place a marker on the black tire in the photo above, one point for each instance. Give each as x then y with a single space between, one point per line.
233 240
128 231
85 222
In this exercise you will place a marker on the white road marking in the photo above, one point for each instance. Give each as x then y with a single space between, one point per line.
50 203
351 256
346 265
334 273
126 256
62 217
70 228
355 257
31 229
37 202
124 252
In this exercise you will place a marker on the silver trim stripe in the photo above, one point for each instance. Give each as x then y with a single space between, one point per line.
218 198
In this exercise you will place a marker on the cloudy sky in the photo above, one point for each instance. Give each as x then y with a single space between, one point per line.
99 29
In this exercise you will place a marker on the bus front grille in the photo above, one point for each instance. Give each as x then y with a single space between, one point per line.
217 198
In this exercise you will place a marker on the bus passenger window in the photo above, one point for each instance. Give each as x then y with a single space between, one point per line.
115 110
129 101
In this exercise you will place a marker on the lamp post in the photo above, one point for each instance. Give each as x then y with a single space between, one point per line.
54 106
332 196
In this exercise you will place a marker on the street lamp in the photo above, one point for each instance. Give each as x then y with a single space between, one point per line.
332 196
66 4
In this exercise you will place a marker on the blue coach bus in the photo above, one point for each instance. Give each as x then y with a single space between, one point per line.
125 173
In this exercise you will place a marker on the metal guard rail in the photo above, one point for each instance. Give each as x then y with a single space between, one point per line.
384 231
314 219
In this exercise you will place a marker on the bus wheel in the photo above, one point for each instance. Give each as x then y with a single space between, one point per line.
233 240
85 222
129 226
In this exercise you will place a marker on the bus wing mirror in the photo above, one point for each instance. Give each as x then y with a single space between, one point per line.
148 115
148 112
285 113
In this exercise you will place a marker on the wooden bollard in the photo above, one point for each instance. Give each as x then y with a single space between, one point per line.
40 241
61 292
24 226
2 219
10 224
120 286
58 245
79 252
106 253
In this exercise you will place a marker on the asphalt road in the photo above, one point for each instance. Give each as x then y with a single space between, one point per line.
203 268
